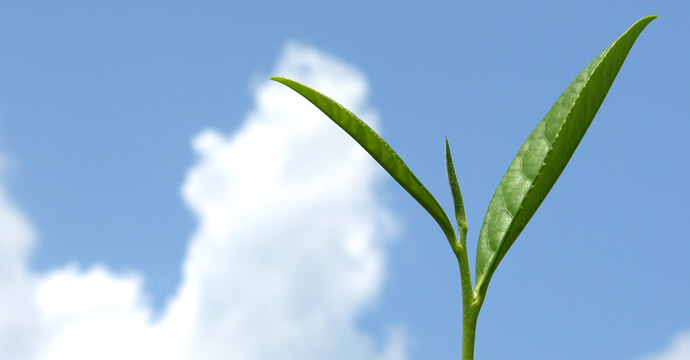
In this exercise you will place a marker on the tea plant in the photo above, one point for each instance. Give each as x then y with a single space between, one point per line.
530 176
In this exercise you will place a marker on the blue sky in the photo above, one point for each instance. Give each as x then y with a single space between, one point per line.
112 115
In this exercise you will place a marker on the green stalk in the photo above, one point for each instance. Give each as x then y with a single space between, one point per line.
471 304
469 326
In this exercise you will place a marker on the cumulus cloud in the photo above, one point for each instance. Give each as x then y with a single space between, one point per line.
678 350
289 203
289 249
18 315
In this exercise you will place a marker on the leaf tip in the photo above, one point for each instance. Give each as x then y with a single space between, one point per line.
279 79
646 20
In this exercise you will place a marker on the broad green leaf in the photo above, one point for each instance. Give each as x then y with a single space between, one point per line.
378 149
544 155
455 190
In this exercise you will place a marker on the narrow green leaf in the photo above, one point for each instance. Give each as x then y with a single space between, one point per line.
378 149
455 190
544 155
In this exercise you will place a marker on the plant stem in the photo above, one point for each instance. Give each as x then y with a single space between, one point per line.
471 301
465 276
469 326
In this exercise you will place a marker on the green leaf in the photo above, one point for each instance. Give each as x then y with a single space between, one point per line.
544 155
455 190
378 149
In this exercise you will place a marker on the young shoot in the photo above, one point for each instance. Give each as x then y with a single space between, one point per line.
529 178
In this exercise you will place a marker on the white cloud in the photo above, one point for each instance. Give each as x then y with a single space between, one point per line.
18 316
288 252
678 350
289 223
